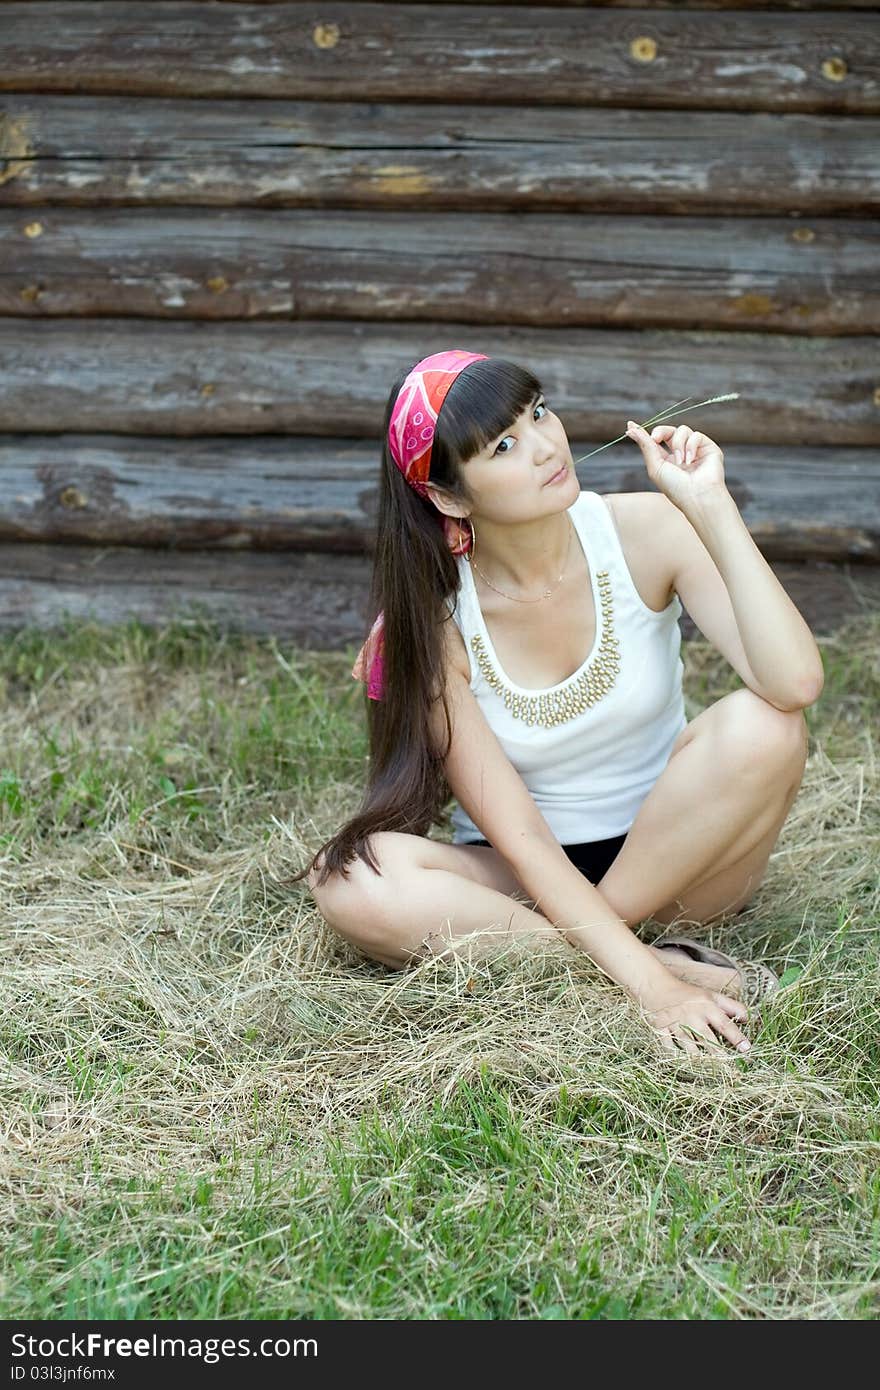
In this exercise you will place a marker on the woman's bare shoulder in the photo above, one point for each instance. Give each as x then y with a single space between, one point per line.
627 506
455 649
637 517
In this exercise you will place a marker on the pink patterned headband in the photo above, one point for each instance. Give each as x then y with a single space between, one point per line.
410 440
414 417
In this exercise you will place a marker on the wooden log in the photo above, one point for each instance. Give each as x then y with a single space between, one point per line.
636 4
270 493
297 596
300 598
816 276
90 375
646 4
445 53
101 151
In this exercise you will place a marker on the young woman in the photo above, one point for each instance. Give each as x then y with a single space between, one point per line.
525 659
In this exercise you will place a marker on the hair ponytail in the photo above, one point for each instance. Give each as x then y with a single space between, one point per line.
414 576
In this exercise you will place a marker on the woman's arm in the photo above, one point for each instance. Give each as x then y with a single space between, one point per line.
720 574
778 644
493 794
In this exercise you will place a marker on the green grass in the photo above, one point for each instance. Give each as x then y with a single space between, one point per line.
214 1108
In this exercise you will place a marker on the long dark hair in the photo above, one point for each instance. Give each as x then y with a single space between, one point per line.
414 572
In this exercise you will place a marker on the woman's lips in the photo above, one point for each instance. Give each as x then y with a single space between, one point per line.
557 477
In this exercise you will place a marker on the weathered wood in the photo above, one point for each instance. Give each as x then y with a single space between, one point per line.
816 276
783 6
298 596
644 4
302 598
110 150
315 494
379 52
88 375
257 493
636 4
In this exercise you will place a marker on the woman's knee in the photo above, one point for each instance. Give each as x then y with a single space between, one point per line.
360 901
341 885
760 738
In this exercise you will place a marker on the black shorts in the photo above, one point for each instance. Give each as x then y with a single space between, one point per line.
594 858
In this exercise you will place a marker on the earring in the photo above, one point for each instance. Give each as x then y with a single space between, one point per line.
473 545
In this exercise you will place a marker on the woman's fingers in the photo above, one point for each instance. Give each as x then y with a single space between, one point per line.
735 1008
684 445
705 1031
694 1038
682 442
692 447
662 432
703 1021
679 444
683 1035
728 1029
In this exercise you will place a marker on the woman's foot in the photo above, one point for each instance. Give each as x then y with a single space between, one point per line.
718 978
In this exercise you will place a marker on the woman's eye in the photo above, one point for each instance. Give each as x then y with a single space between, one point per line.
540 406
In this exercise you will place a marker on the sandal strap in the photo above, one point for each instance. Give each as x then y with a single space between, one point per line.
759 981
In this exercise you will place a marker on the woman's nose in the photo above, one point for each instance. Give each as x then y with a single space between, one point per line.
545 449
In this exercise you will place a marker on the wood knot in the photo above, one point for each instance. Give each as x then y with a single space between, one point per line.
834 69
643 49
73 499
33 229
15 149
217 283
325 35
803 234
753 305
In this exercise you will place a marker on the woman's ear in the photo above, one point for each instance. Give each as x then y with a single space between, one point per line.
445 502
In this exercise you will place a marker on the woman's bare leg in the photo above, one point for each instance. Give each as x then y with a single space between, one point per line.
700 844
729 783
417 906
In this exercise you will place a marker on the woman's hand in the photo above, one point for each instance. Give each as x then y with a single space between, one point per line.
689 1017
687 469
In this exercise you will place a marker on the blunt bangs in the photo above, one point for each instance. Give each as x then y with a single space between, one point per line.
483 402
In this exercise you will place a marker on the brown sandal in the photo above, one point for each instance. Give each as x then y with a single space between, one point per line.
758 981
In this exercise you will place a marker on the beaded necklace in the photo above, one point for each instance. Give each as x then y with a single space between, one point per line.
579 693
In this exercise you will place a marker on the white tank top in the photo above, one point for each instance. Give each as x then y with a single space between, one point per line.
600 739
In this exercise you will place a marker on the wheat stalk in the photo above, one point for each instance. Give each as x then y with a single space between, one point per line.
666 414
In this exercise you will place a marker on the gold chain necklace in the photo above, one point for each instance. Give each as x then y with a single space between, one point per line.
541 597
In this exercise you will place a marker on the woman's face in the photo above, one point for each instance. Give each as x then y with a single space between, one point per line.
510 480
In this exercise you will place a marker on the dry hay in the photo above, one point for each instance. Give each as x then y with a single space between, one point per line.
167 1003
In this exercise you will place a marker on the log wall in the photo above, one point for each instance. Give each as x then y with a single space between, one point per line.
224 228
